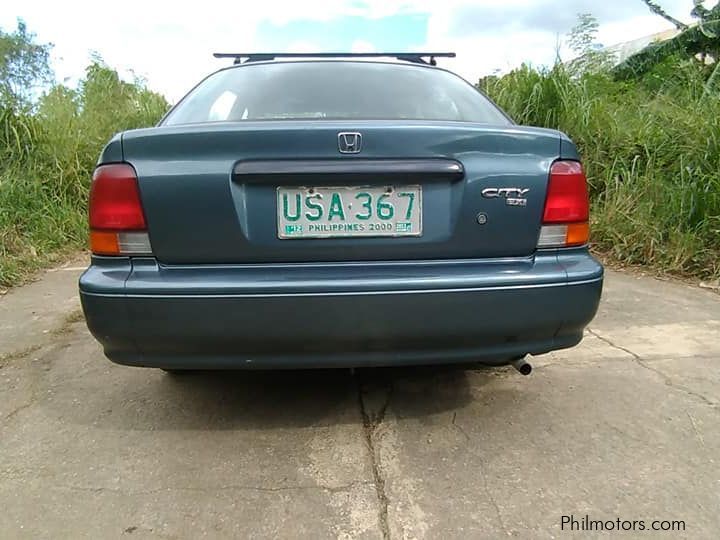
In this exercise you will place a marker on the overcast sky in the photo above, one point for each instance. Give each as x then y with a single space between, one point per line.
170 43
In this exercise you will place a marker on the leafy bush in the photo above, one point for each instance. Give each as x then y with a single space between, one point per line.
47 155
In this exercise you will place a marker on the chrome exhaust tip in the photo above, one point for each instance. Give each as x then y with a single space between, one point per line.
524 367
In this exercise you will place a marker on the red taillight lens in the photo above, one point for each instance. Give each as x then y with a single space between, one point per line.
115 199
117 220
567 207
567 197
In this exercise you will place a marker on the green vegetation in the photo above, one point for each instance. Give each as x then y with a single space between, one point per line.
650 145
49 143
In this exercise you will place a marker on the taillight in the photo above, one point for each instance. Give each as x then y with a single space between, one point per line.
117 220
567 207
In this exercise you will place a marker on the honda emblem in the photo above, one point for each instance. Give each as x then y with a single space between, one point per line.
349 142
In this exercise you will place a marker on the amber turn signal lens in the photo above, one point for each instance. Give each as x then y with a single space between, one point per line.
104 243
578 234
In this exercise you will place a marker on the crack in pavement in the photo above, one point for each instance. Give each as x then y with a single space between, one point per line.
491 497
639 360
47 339
20 408
59 332
71 318
371 422
33 386
457 426
6 358
483 472
155 534
229 487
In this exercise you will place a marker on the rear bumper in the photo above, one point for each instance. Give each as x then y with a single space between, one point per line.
333 315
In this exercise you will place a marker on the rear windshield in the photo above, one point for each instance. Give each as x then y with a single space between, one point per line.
334 91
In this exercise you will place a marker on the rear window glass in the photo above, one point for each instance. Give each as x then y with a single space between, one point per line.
334 91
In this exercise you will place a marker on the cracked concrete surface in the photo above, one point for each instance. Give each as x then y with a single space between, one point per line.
372 417
625 425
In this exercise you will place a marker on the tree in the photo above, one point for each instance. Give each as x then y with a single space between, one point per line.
701 41
582 40
24 66
655 8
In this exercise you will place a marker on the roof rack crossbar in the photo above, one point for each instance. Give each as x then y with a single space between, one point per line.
415 57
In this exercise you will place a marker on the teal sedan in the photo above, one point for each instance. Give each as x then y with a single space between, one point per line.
336 211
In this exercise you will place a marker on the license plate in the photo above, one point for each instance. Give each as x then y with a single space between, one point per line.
328 212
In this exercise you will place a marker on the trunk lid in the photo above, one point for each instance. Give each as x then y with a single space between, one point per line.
210 190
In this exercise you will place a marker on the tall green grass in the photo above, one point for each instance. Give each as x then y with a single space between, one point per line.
47 155
651 149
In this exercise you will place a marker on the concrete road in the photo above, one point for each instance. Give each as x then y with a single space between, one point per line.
627 426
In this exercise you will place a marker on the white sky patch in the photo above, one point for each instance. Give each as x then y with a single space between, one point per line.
170 44
362 46
300 46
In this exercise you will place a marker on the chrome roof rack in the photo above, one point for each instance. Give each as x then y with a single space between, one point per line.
415 57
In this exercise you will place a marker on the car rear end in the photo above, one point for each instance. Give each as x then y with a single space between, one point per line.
328 214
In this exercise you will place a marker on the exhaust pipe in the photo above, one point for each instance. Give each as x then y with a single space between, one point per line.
522 366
